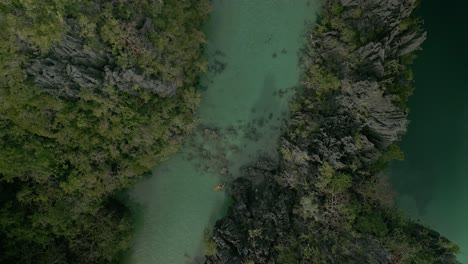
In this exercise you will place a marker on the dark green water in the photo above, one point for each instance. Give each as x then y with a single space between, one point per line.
433 179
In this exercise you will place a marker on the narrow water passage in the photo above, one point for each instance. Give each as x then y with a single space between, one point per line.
253 69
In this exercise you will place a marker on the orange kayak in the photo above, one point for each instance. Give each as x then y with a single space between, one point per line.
219 187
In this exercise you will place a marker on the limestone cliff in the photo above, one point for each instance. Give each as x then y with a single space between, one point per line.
70 66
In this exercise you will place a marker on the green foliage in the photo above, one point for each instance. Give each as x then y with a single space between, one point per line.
322 80
340 183
371 223
209 246
357 12
337 8
325 177
331 182
62 160
411 23
393 152
253 233
287 255
37 22
308 207
399 80
350 36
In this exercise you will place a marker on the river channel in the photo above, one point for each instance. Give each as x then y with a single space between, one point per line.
252 48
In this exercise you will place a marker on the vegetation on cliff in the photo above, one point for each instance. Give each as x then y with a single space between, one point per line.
92 95
327 201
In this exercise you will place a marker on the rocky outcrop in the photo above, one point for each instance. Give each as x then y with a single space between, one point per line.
256 212
129 81
382 122
373 55
69 67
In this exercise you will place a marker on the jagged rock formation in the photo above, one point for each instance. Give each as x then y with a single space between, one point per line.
387 15
323 202
70 66
382 122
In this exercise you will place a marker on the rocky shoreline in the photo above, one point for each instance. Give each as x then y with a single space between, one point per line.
327 201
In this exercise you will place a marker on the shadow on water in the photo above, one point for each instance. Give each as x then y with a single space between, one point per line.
272 111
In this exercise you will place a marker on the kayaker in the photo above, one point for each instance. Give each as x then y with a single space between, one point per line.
219 187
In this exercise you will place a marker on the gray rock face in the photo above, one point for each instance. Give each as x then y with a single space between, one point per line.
70 67
384 123
129 81
411 42
373 54
379 14
384 17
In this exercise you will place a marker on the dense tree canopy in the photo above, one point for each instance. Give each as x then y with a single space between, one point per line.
92 95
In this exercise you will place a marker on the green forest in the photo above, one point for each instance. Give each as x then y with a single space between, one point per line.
92 95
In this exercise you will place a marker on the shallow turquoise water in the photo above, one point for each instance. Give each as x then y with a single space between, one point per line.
433 179
252 49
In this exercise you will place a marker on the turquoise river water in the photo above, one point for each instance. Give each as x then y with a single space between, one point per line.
433 179
253 69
